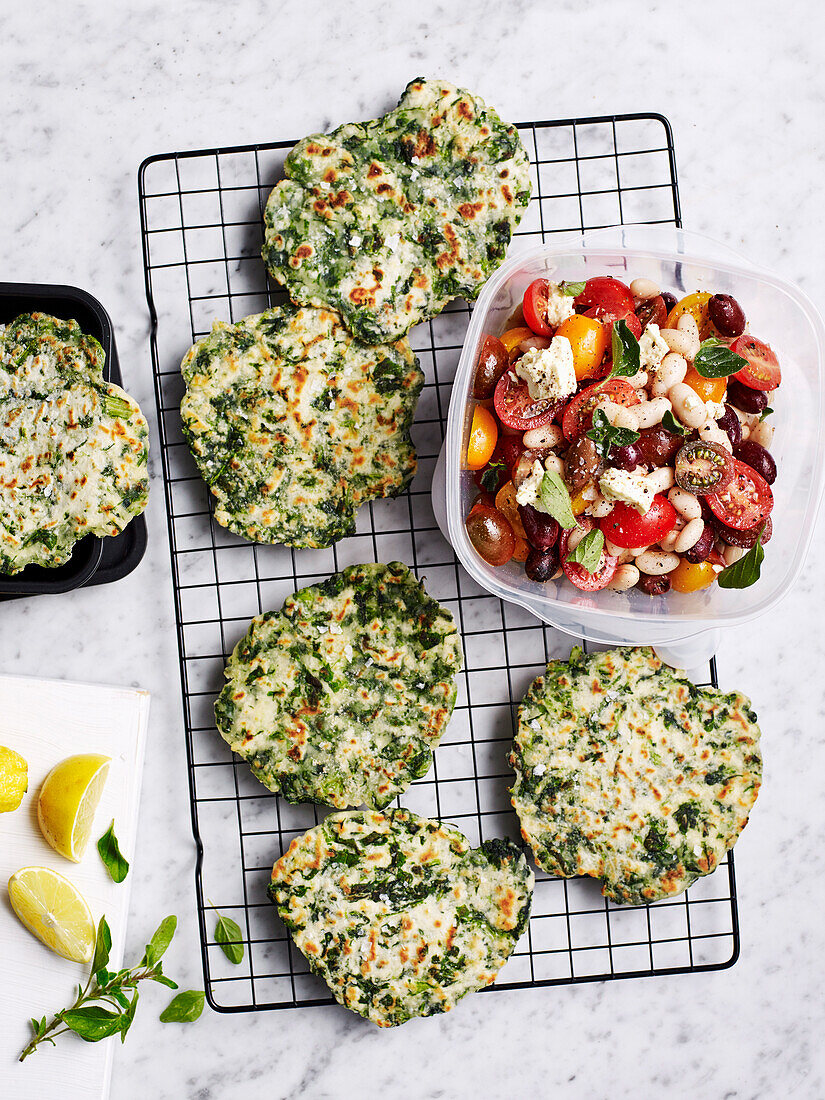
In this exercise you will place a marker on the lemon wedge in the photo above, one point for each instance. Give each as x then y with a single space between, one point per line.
68 800
14 779
52 909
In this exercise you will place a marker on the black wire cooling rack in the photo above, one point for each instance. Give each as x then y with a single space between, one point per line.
201 217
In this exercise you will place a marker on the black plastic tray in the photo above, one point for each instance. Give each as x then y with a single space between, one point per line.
94 560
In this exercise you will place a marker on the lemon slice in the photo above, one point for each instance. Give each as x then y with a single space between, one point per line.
68 800
14 779
52 909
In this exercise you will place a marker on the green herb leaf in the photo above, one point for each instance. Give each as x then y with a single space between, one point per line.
103 945
491 476
605 436
572 290
161 940
716 360
162 979
672 425
765 414
184 1008
625 348
92 1023
128 1017
228 935
116 406
746 571
553 498
116 864
588 553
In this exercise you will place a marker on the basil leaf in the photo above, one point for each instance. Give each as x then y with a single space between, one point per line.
115 863
103 945
491 476
228 935
672 425
553 498
716 360
765 413
746 571
605 436
184 1008
92 1023
572 290
161 940
588 553
625 349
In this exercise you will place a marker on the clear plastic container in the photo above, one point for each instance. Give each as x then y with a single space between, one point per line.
684 628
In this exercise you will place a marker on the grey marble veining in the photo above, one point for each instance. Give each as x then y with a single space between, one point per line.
89 90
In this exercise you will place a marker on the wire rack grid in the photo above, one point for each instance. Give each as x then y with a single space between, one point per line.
201 216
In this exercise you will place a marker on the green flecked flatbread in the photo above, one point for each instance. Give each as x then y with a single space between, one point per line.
387 220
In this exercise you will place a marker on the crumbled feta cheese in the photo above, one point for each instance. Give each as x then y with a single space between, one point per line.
529 488
355 240
716 409
535 724
652 349
619 485
549 372
559 305
335 628
392 242
539 769
348 652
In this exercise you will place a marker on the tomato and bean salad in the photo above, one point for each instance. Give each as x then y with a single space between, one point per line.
619 439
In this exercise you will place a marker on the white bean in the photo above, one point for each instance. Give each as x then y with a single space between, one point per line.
678 341
732 554
638 380
553 464
657 562
672 370
637 551
762 433
687 323
610 409
746 432
690 535
660 480
711 434
649 413
575 537
686 504
612 549
628 418
644 288
557 574
601 508
540 439
625 577
688 406
668 541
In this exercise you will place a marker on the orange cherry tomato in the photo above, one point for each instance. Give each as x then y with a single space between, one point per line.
483 437
709 389
588 339
687 577
513 337
697 305
508 506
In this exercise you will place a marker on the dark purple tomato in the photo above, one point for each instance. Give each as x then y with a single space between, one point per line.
654 586
727 315
700 549
491 534
541 565
744 539
753 454
542 530
745 398
658 447
669 300
730 424
627 457
703 468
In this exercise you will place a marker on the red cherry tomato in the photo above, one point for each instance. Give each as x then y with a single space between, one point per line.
746 502
578 416
577 575
609 300
515 408
762 371
625 527
534 307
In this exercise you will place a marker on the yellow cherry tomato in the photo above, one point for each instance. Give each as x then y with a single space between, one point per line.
709 389
508 506
513 337
696 304
588 339
687 577
578 503
483 436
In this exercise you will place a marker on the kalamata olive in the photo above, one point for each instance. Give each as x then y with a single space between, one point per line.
730 424
654 586
491 534
542 530
627 457
744 539
524 467
542 564
753 454
727 315
746 399
703 467
658 447
491 364
702 547
669 300
581 463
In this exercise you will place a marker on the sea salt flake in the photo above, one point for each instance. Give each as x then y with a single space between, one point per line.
539 769
334 628
535 724
348 652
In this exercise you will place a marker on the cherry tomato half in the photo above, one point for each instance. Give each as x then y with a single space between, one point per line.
709 389
577 575
651 311
762 371
746 502
483 438
607 300
578 416
534 307
690 577
490 533
697 305
588 339
515 408
625 527
492 362
513 337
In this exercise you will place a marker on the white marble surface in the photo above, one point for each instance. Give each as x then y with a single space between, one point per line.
88 90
